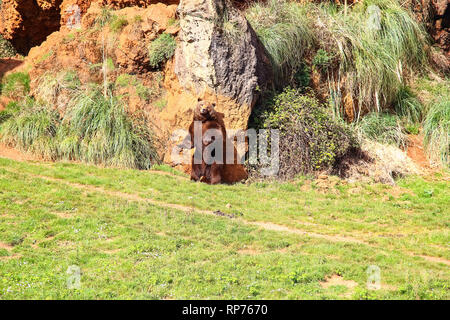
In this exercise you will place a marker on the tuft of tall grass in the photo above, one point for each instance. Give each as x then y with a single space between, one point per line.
118 23
375 44
286 32
437 131
32 129
97 129
11 109
50 85
161 49
382 127
407 106
376 49
16 85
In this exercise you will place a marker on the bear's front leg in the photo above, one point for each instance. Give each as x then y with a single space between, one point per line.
195 174
216 174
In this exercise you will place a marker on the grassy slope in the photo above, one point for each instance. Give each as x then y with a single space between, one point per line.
56 215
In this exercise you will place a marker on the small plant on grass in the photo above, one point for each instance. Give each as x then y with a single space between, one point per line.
161 49
16 85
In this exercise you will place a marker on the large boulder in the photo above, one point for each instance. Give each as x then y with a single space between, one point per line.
219 57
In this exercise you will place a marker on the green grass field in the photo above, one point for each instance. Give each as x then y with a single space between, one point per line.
154 235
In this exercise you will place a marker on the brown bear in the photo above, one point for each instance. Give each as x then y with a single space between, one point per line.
206 171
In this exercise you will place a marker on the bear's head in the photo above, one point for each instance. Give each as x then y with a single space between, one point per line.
204 111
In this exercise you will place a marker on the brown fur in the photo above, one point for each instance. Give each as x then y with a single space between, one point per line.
209 173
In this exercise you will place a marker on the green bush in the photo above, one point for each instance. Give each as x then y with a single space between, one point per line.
437 131
383 128
16 85
310 139
322 59
6 48
161 49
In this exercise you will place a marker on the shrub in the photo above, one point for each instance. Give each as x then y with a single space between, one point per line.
383 128
437 131
16 85
310 139
161 49
322 60
6 48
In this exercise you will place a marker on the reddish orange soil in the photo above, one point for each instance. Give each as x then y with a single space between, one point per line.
14 154
416 151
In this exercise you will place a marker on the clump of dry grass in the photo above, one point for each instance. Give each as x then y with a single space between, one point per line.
377 162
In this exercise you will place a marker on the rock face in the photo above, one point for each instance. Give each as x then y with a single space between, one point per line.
435 14
68 6
27 23
219 54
